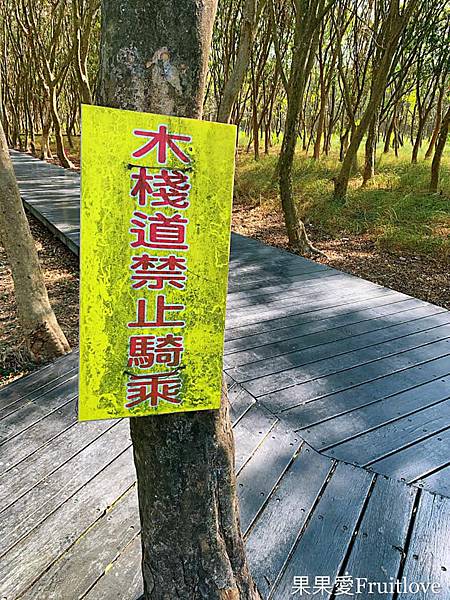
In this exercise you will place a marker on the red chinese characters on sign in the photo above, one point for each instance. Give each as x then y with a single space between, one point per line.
166 190
155 271
146 350
152 388
162 141
159 231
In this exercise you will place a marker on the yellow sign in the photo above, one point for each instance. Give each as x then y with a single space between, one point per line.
156 197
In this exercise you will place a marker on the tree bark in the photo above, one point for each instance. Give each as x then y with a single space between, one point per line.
155 59
306 38
43 336
440 145
371 150
234 82
437 124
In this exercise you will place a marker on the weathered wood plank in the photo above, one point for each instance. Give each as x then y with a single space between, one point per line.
416 461
250 431
274 534
262 472
35 383
32 412
64 527
334 518
341 433
329 407
91 559
379 442
123 580
248 317
438 482
389 311
428 559
323 379
62 485
349 306
40 465
380 541
350 337
35 438
304 294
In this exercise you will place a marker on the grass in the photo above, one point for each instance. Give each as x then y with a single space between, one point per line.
394 209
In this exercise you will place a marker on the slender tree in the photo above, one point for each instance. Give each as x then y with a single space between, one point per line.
308 19
154 58
440 145
43 335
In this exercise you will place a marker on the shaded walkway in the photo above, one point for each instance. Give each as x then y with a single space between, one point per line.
316 360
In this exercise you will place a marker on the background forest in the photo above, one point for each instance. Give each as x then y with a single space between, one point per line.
342 108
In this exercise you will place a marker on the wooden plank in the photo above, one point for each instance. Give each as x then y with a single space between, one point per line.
302 288
416 461
33 411
303 291
345 353
240 402
64 527
384 440
263 471
380 541
438 482
250 431
273 536
32 384
256 282
335 404
318 379
301 318
346 319
342 433
91 559
31 440
123 580
335 516
236 319
61 486
428 559
40 465
350 337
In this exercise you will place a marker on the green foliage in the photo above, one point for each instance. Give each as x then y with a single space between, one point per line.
394 209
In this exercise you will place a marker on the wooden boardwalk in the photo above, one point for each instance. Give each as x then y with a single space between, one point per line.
340 402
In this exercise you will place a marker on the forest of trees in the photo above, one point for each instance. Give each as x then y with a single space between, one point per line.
287 72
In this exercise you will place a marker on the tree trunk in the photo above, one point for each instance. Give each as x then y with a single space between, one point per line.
437 124
155 59
61 153
45 138
440 145
371 150
306 38
234 82
43 336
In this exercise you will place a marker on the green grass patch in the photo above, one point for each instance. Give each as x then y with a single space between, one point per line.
395 208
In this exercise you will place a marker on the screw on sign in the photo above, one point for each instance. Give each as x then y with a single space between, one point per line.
154 257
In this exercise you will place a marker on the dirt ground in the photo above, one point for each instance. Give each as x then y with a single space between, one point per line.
423 277
61 273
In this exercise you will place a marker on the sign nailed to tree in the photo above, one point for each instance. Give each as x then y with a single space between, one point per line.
155 229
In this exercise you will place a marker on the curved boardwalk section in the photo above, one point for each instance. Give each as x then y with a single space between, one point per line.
339 393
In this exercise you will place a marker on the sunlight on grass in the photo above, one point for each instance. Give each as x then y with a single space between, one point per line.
395 208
